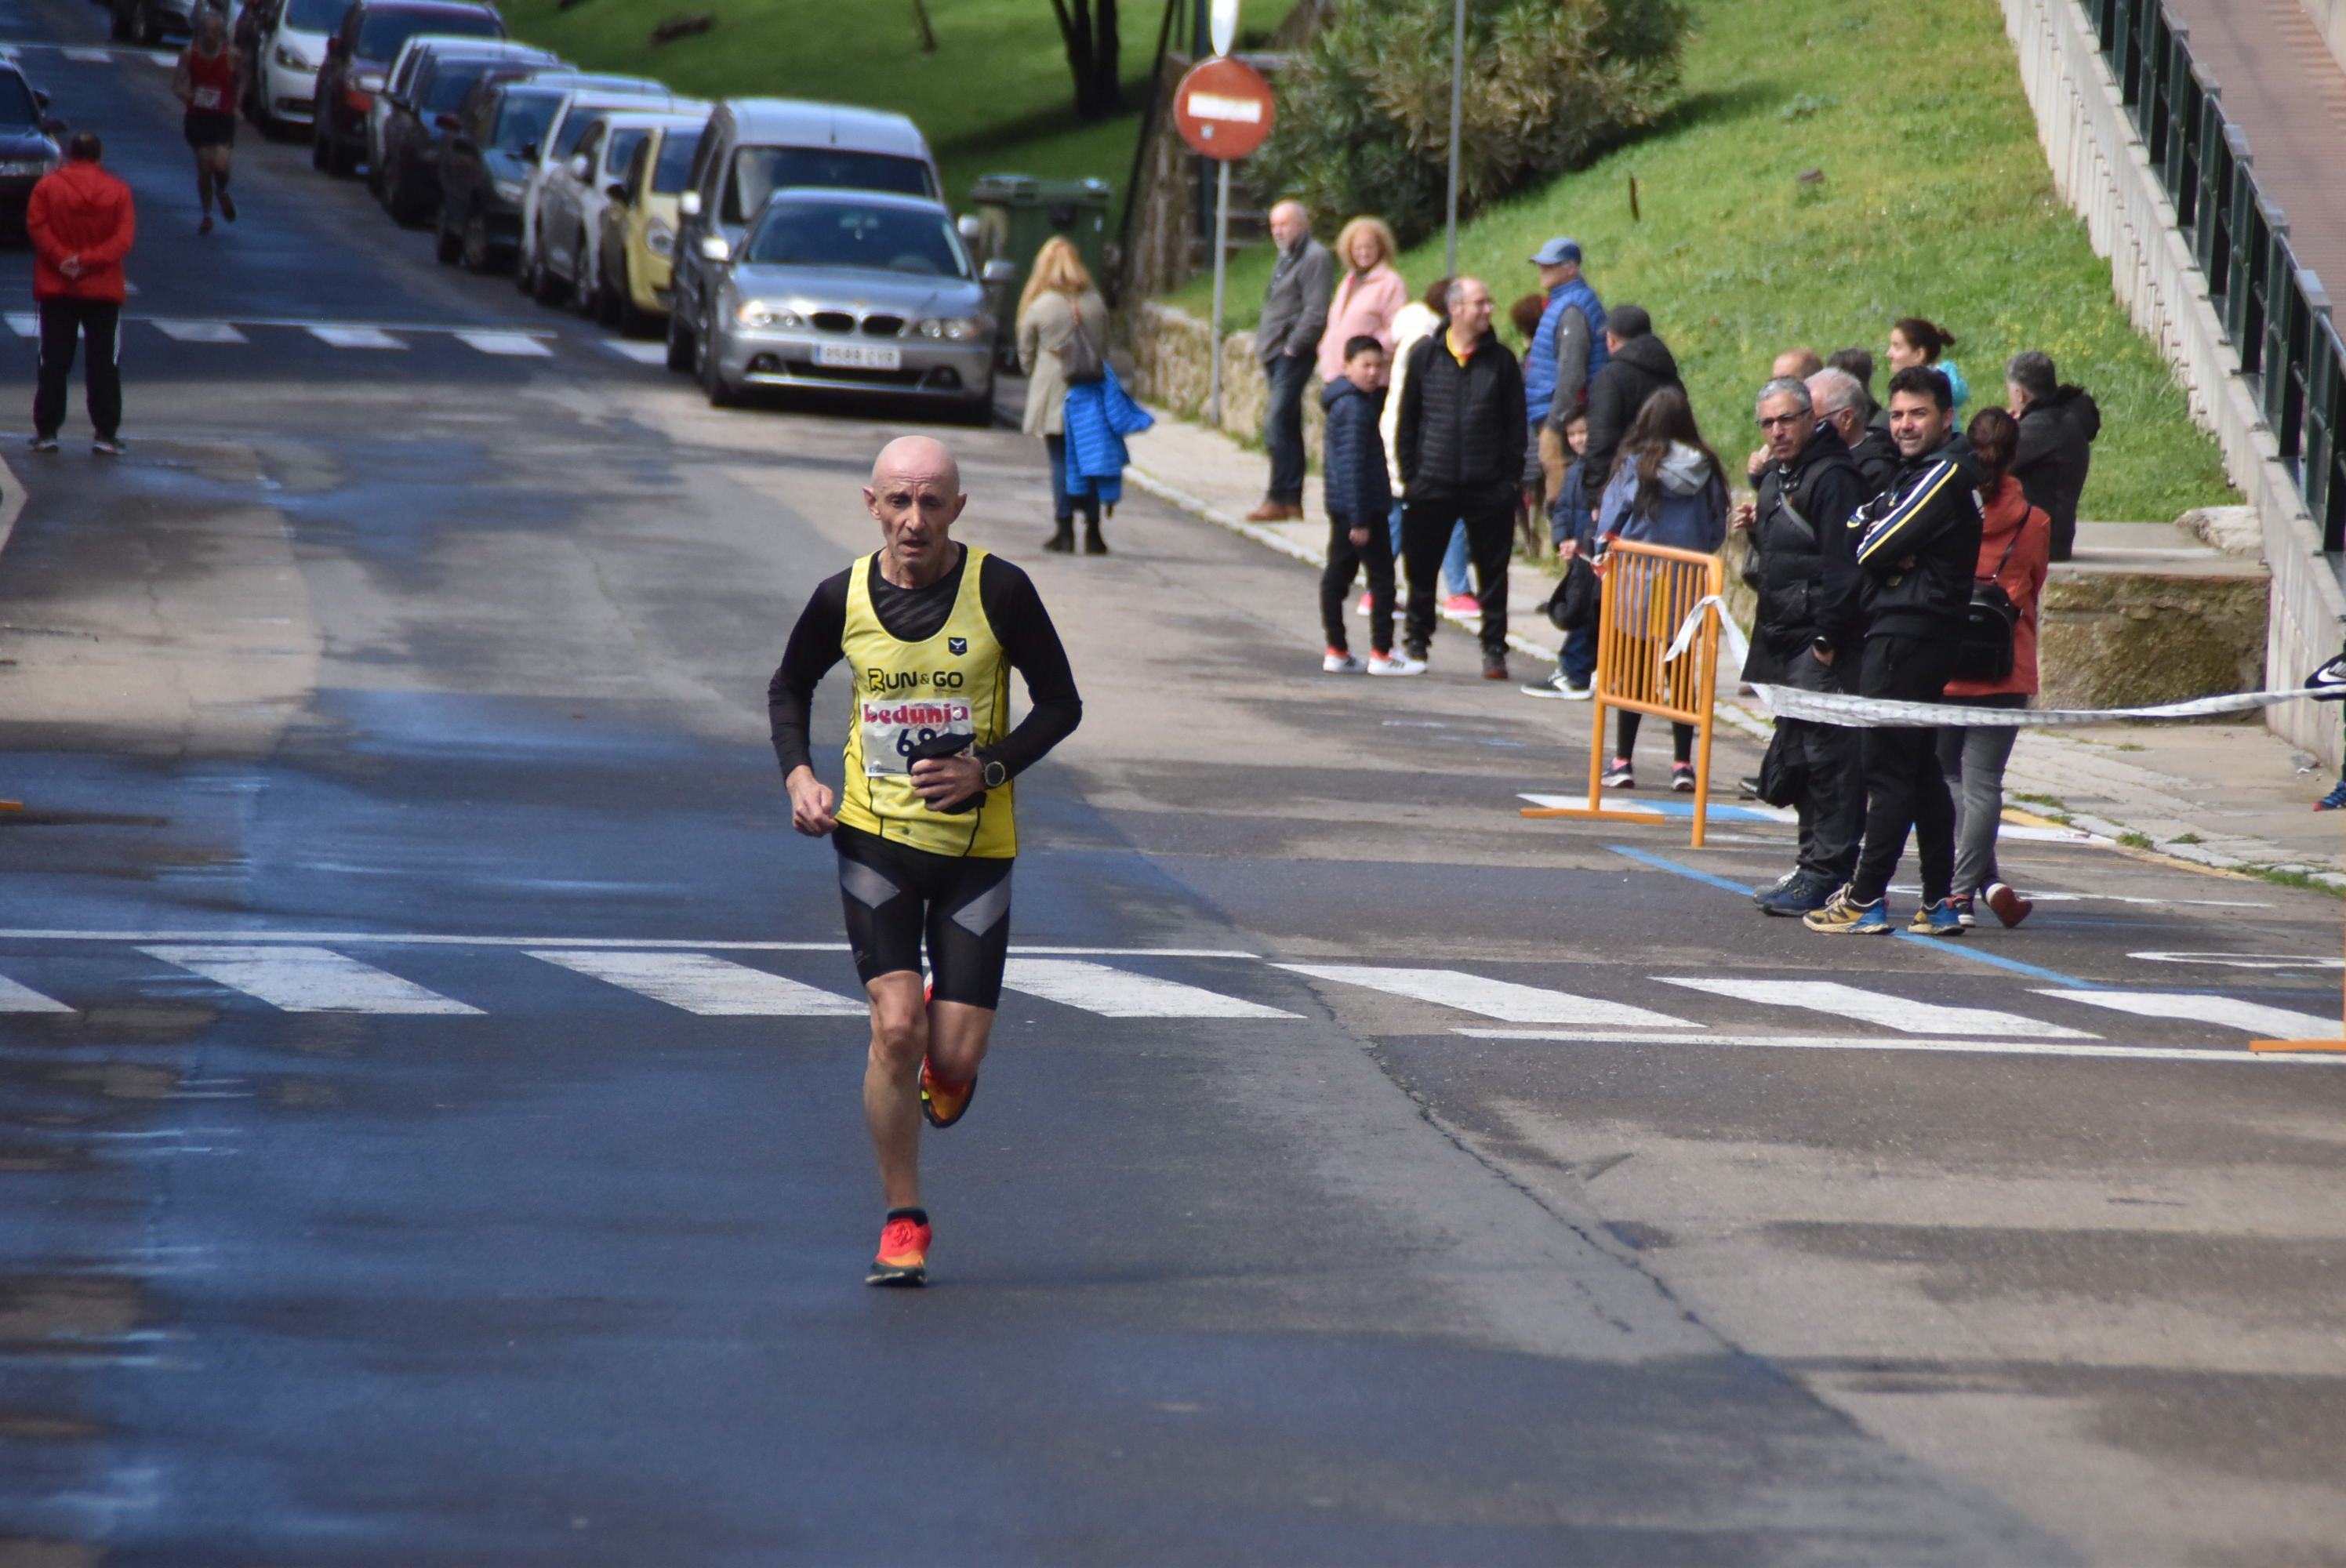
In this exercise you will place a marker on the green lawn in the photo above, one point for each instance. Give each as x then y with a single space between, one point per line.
1935 201
994 97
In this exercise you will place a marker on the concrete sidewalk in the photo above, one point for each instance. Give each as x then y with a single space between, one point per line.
2229 797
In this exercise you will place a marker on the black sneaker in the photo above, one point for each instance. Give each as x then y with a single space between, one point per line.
228 205
1797 896
1619 775
2334 801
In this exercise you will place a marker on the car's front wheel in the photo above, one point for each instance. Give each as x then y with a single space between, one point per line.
450 245
679 344
721 394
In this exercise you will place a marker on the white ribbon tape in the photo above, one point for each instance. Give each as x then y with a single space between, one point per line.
1737 649
1876 712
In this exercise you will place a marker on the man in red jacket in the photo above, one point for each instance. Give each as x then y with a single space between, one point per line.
81 224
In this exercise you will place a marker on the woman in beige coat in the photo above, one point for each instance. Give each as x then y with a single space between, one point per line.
1059 295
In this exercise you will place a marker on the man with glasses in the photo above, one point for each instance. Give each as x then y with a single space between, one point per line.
1803 564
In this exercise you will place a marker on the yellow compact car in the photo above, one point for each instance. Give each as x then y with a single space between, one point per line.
638 237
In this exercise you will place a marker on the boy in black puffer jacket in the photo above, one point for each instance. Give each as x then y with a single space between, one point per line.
1359 502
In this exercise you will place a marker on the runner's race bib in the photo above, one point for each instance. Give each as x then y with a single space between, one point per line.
893 726
207 97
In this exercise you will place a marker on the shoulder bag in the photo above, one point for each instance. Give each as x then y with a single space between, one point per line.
1983 649
1079 358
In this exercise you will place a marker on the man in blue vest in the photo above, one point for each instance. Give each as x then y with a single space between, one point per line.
1565 353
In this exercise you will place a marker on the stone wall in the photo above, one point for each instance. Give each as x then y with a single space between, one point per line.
2132 638
2102 169
1169 349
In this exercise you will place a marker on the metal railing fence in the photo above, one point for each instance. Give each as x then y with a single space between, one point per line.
2275 311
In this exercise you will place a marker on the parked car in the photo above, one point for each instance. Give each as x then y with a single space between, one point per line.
358 62
571 200
400 79
484 164
151 21
281 44
562 136
28 149
852 290
755 146
632 272
420 122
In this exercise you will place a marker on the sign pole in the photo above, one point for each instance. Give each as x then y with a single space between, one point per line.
1457 107
1221 276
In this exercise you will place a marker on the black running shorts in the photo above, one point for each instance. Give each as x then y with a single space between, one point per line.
209 128
896 897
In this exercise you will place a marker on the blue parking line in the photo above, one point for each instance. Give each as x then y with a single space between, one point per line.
1953 948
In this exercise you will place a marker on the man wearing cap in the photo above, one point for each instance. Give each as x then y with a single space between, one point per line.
1565 355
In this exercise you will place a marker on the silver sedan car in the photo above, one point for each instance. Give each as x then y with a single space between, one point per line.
855 290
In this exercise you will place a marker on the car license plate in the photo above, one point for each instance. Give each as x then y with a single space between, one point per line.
857 357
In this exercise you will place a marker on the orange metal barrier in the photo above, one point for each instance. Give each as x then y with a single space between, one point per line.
1650 590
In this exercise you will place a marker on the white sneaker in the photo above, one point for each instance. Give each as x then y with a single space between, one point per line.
1363 607
1336 663
1395 664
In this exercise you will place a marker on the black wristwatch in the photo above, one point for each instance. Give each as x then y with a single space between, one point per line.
994 774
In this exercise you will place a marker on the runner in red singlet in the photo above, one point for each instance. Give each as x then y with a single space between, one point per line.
206 82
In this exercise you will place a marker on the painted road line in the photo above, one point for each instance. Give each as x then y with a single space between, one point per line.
354 337
199 331
24 323
710 987
1868 1042
1646 858
642 353
1667 806
2256 1017
1501 999
89 57
15 998
439 939
514 343
308 980
1875 1007
1121 993
1977 954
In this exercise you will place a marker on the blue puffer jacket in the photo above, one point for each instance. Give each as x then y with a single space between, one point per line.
1691 514
1357 486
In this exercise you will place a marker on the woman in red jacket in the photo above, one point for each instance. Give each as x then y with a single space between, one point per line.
2015 543
81 224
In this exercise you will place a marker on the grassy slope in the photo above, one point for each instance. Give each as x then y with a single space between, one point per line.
1936 202
994 97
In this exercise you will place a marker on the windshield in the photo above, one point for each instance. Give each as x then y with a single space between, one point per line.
314 15
622 148
522 118
760 171
450 83
868 238
675 161
16 104
385 30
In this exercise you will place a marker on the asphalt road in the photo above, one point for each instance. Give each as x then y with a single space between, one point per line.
431 1131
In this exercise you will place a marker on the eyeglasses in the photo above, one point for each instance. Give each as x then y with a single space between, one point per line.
1784 420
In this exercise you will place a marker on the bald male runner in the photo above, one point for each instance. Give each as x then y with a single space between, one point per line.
923 821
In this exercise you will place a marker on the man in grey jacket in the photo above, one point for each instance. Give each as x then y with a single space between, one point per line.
1287 339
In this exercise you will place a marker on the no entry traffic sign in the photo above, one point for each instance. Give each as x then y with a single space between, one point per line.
1222 108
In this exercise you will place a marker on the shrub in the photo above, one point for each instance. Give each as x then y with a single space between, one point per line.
1365 117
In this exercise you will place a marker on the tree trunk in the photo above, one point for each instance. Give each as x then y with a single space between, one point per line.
1087 28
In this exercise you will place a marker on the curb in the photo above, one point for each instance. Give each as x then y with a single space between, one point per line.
12 501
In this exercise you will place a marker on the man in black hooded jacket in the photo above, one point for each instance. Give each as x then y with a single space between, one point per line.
1636 366
2057 427
1804 566
1917 549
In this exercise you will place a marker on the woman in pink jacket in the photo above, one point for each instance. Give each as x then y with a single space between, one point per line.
2015 543
1369 297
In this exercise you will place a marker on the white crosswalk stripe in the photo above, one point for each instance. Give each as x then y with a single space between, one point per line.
642 353
1121 993
1878 1008
517 344
711 987
16 998
200 332
307 979
1501 999
24 323
354 337
2256 1017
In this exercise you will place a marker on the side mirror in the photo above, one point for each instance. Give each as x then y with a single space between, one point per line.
998 272
688 204
616 191
448 122
580 168
972 231
713 248
53 126
529 152
40 99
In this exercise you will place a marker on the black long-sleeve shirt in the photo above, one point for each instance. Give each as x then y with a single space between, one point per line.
1012 608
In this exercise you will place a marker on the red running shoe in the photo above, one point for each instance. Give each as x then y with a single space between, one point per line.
941 1103
904 1256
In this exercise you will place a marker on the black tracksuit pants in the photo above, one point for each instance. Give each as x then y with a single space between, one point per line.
1490 545
1831 804
1905 789
1346 561
64 321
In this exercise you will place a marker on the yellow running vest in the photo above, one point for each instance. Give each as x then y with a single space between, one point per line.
956 682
